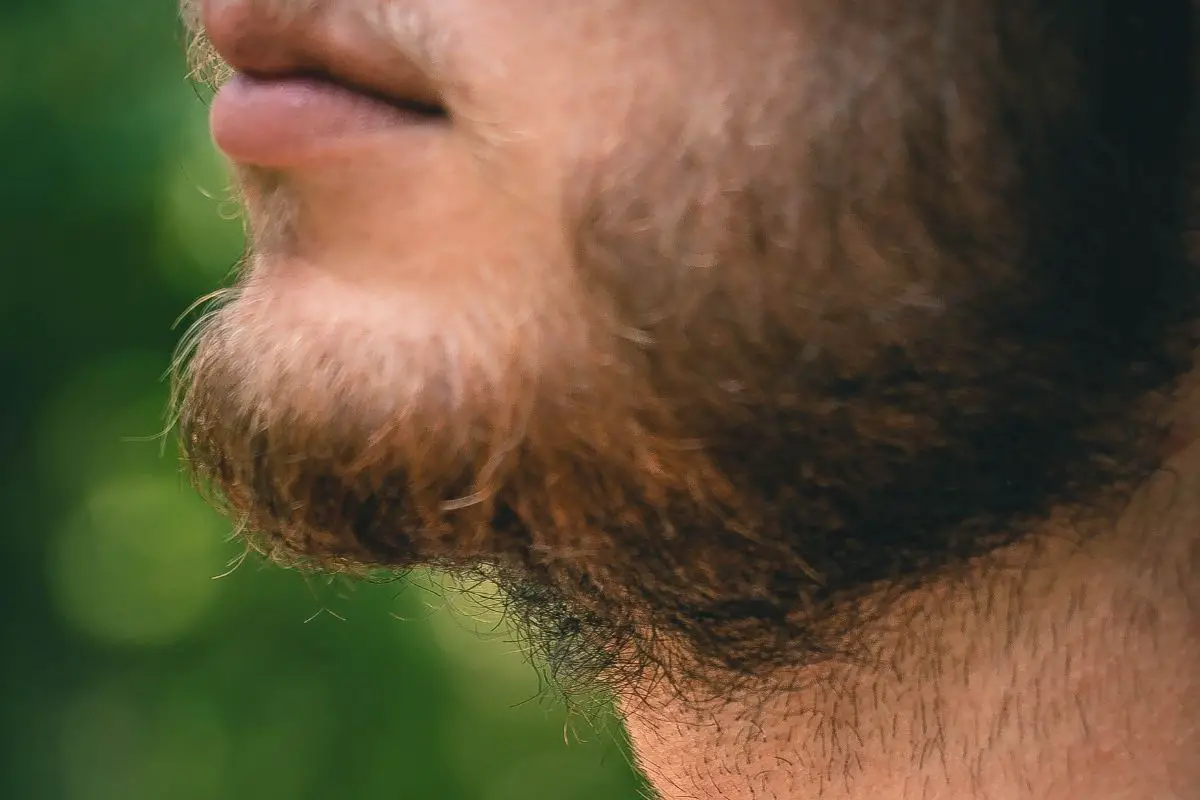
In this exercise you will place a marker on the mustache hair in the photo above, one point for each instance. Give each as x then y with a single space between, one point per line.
205 67
405 27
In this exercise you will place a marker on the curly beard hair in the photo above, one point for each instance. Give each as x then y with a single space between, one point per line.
779 385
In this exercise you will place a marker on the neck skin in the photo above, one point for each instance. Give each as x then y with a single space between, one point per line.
1074 676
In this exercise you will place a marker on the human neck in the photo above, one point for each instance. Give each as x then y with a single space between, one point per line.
1075 676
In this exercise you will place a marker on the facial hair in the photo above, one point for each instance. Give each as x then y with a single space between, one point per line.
792 369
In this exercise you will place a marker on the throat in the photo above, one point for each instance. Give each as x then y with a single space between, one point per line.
1073 675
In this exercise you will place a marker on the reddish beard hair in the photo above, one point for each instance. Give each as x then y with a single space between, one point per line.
777 385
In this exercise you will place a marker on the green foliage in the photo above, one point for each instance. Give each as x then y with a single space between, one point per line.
137 664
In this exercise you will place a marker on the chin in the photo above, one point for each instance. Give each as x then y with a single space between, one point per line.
314 346
723 493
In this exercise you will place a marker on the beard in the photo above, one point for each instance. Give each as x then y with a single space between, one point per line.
769 388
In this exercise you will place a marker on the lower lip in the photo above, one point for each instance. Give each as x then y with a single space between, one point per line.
288 121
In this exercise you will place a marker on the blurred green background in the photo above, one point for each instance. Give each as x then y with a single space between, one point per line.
130 670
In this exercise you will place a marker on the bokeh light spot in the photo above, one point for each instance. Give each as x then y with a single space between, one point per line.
135 563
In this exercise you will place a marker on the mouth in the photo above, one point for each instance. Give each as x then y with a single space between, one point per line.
292 120
420 104
312 87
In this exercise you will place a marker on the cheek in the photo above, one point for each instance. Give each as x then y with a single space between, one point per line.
560 86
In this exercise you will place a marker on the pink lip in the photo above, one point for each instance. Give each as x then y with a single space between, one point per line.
283 121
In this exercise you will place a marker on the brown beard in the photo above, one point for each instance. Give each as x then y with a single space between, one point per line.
777 385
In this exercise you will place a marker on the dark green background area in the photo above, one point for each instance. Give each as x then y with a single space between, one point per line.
131 671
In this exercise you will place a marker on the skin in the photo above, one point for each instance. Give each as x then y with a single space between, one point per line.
814 377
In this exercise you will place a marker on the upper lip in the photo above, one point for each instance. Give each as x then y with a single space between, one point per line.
340 48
